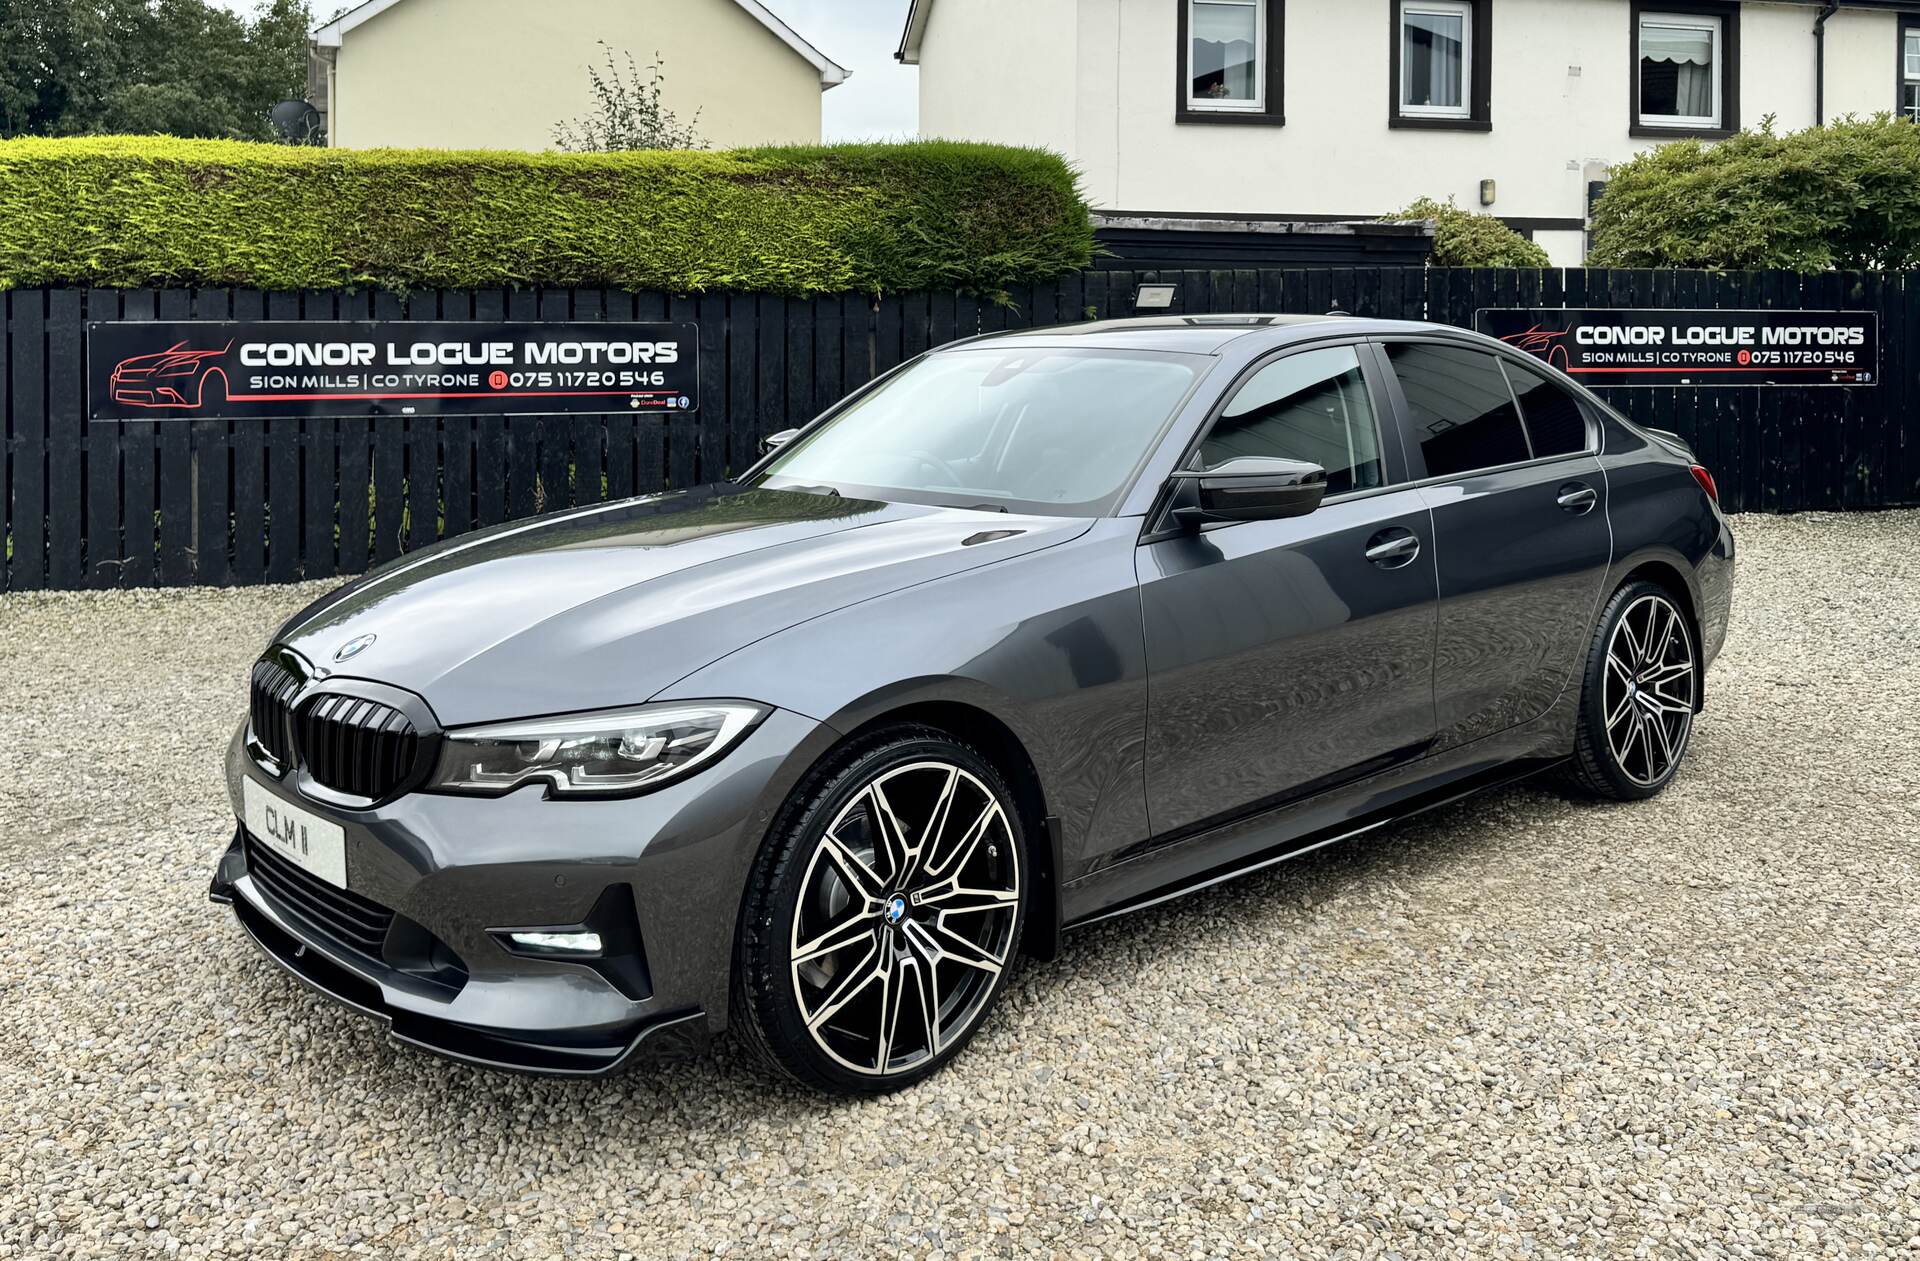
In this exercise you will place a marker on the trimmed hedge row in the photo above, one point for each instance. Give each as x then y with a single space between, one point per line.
138 212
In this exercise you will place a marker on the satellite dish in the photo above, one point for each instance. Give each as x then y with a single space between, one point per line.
297 122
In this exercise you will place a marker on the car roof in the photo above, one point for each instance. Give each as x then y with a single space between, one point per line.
1197 334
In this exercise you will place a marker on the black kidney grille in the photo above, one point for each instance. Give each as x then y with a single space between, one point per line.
343 915
355 746
268 697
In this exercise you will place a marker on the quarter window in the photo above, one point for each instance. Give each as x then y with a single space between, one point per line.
1556 423
1310 406
1436 58
1460 410
1682 71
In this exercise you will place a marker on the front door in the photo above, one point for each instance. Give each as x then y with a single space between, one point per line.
1521 541
1285 657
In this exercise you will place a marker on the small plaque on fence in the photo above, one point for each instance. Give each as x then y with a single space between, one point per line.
1601 347
146 370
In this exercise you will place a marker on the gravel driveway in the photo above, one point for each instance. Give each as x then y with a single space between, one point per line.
1522 1026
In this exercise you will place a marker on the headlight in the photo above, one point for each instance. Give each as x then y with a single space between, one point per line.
600 754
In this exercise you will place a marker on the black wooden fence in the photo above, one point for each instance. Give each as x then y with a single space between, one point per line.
172 502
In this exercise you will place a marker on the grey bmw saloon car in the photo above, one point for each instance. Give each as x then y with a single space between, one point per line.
1036 629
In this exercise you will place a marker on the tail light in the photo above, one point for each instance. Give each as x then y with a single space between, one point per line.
1705 479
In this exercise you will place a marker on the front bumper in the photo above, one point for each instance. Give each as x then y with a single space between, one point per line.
454 871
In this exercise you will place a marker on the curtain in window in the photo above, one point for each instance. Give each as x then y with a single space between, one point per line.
1686 53
1434 53
1223 61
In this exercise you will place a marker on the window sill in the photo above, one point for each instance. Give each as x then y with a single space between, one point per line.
1651 131
1417 123
1228 117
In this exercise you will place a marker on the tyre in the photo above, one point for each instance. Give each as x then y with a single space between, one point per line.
883 914
1641 687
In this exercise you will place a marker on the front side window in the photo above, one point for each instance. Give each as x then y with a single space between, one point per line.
1681 71
1229 61
1910 70
1460 409
1436 55
1311 406
1041 429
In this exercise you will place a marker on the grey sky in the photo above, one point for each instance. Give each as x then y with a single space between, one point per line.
881 101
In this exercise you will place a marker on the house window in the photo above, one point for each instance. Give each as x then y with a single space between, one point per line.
1436 59
1441 63
1910 68
1229 61
1686 69
1224 55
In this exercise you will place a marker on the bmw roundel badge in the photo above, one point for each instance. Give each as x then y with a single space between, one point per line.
354 647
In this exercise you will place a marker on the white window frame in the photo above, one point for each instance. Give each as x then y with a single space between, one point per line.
1213 105
1910 67
1463 9
1717 29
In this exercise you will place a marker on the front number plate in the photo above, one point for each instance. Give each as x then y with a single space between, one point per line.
302 837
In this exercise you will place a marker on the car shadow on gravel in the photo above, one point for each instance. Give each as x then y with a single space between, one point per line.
723 1084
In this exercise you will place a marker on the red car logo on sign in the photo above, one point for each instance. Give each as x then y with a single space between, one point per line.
179 378
1542 343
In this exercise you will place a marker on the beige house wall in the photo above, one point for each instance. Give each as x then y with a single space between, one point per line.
500 74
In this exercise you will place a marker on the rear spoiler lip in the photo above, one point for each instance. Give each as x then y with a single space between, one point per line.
1673 441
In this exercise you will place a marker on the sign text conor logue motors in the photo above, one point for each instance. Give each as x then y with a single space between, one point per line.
156 371
1696 348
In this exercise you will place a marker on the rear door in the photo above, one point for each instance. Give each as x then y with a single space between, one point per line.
1508 465
1286 657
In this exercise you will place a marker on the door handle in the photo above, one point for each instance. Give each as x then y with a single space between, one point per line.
1578 498
1392 549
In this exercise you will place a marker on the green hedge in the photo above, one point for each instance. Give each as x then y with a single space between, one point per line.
1464 239
139 212
1842 196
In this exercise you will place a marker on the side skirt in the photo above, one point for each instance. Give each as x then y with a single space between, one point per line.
1454 791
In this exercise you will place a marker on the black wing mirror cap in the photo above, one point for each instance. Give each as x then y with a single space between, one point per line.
1250 488
774 441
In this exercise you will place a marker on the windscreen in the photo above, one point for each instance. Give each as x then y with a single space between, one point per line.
1023 429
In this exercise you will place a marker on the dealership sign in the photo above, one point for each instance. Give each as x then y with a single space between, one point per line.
157 371
1696 348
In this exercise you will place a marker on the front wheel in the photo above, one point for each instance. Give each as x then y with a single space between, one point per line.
1642 685
883 914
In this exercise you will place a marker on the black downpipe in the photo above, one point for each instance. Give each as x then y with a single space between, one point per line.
1820 62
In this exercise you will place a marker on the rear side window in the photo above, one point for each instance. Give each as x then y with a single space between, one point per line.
1461 412
1556 423
1310 406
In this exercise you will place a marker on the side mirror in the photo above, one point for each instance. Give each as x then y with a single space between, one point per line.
774 441
1250 488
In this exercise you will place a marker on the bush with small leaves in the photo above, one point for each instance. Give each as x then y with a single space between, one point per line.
1464 239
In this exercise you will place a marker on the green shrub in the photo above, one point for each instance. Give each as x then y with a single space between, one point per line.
142 212
1464 239
1846 195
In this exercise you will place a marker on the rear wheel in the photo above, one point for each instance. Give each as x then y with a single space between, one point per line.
1641 688
883 914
